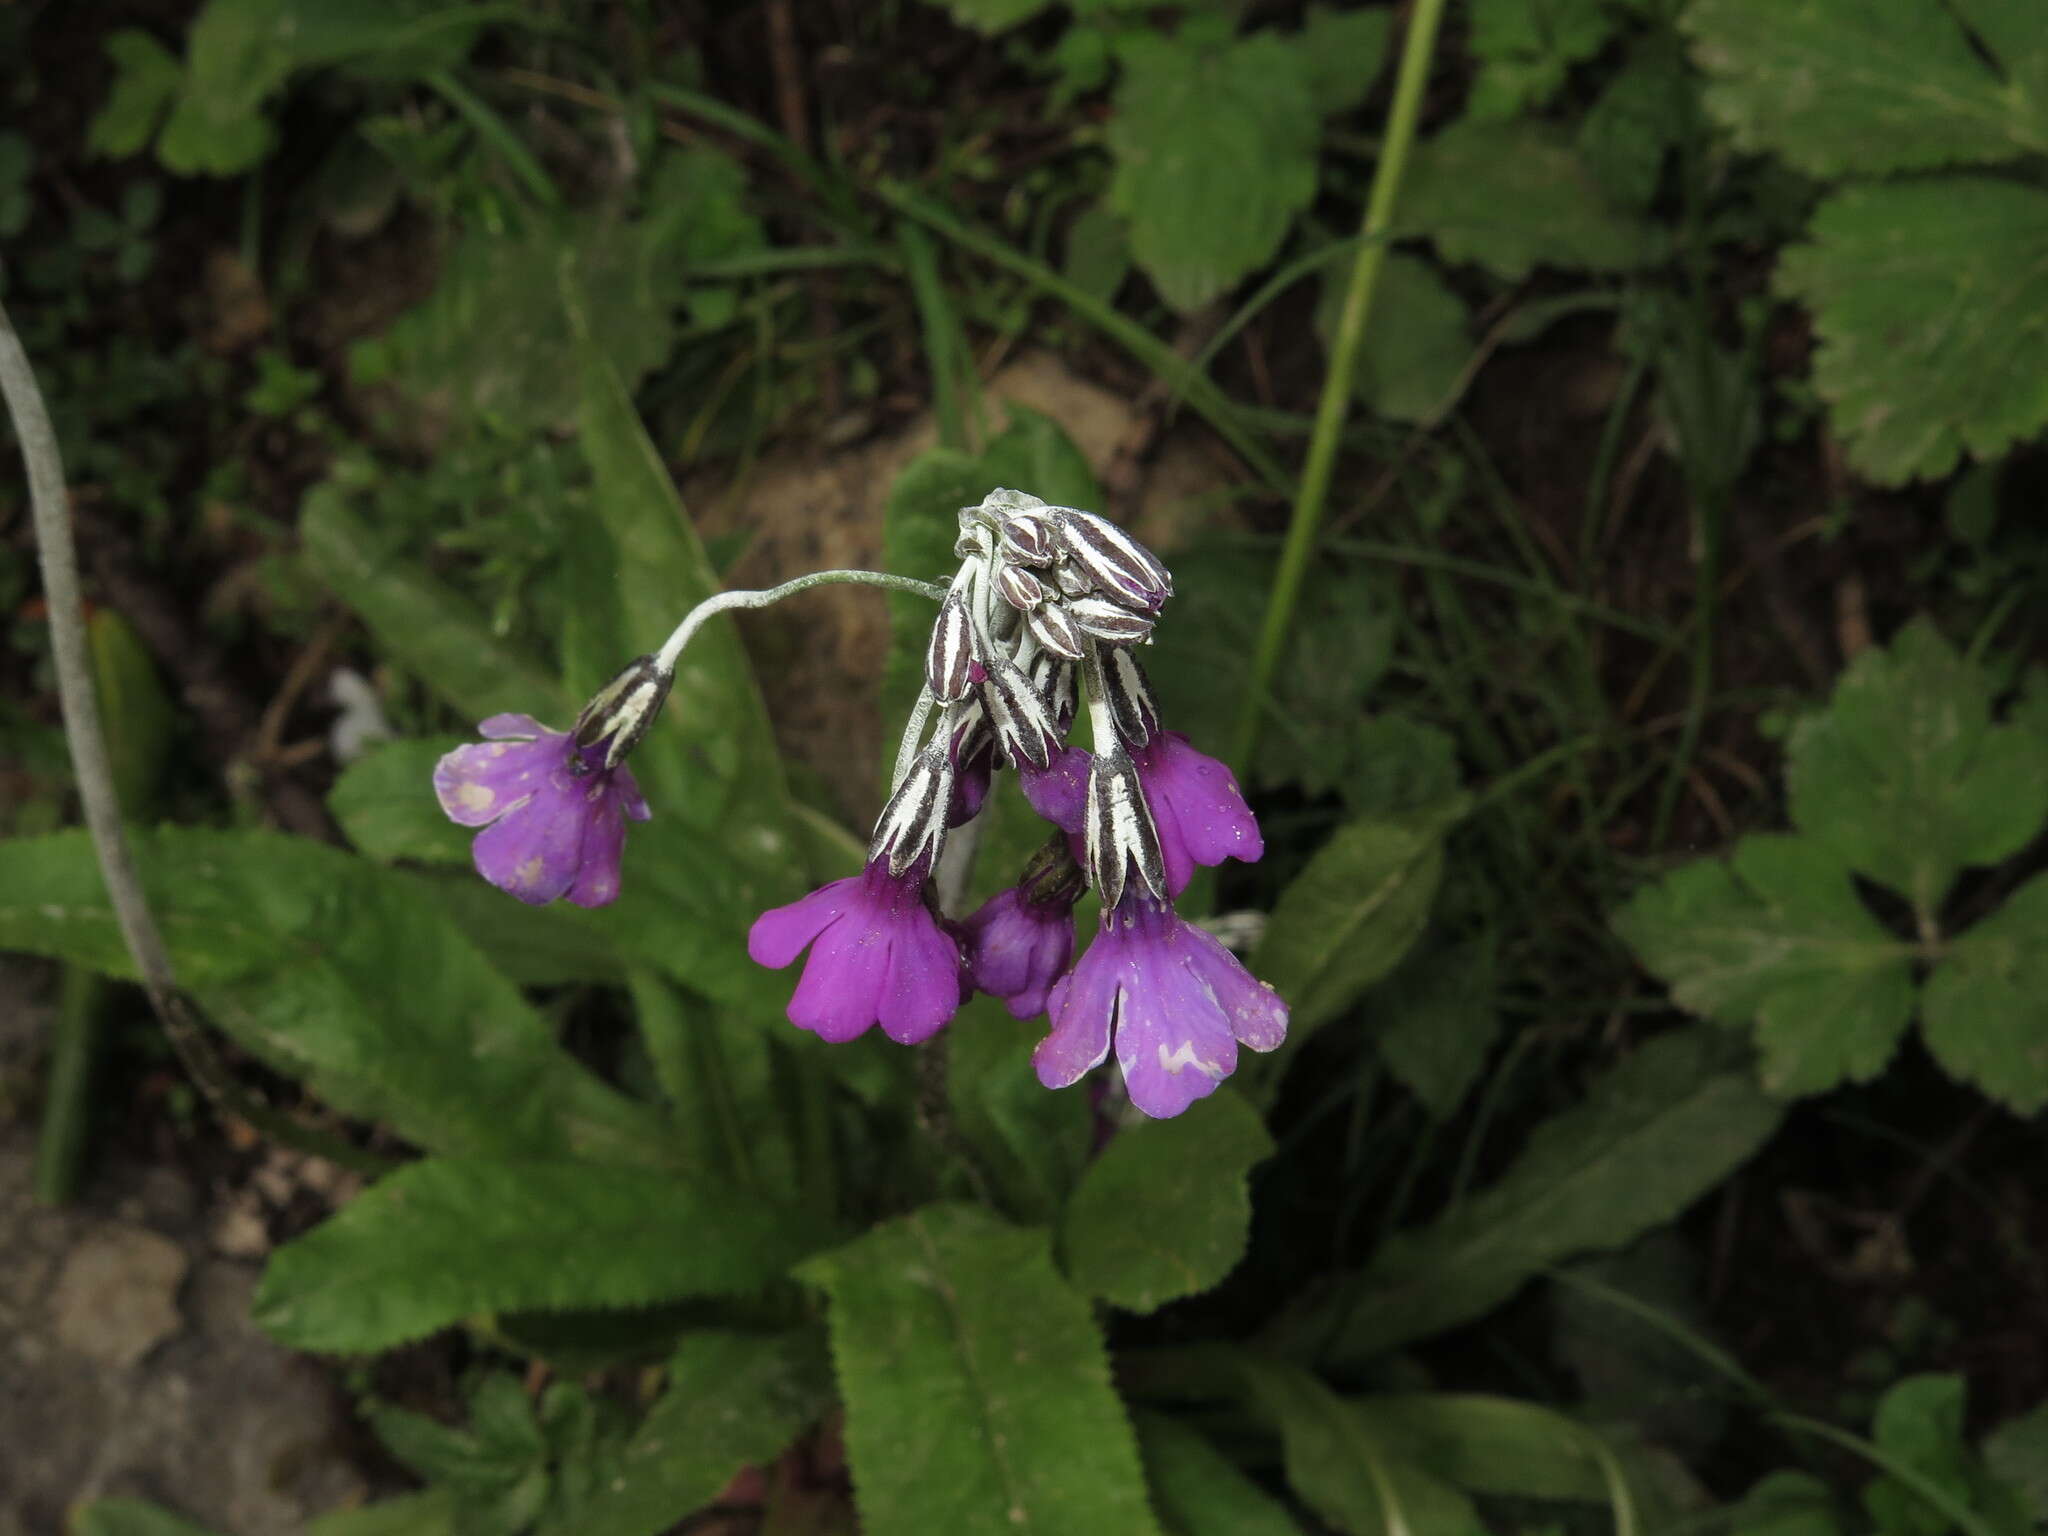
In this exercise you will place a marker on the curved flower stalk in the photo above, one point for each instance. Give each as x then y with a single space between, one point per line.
1042 616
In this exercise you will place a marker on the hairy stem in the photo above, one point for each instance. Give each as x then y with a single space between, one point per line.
724 602
1416 52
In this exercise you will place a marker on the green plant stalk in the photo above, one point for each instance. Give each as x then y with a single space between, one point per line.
1417 50
944 347
67 1091
492 129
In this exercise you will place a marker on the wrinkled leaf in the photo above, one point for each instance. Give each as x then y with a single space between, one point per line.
1342 52
146 81
1525 49
1199 1491
1842 86
445 1239
341 973
1905 777
1930 300
977 1390
1785 1504
1777 936
1515 196
1919 1427
1349 917
733 1400
1985 1010
1437 1022
386 804
421 624
1417 344
1640 115
1347 1469
1214 141
1649 1138
1164 1211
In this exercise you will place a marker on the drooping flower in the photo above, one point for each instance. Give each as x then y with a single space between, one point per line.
1020 941
1059 793
553 815
1196 804
878 956
1171 1001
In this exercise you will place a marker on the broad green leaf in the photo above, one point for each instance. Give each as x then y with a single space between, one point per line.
342 973
146 81
551 946
1905 777
1985 1010
1785 1504
1919 1428
1841 86
993 15
385 802
1349 917
1214 142
978 1399
1525 48
1515 196
733 1400
1164 1212
2016 1453
430 1513
1199 1491
236 53
1649 1138
1033 1144
1777 936
1930 299
448 1238
1417 342
421 624
1436 1022
1640 115
1342 52
1347 1469
131 1517
1497 1446
718 1068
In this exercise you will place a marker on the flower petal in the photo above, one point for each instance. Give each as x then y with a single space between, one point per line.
505 726
780 934
535 850
627 788
1059 793
604 839
840 993
1257 1015
1173 1041
1083 1008
478 783
921 990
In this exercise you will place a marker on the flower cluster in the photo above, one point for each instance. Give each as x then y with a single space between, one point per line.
1043 614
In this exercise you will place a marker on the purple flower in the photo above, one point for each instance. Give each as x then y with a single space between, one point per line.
1018 944
1059 793
1173 1002
878 956
553 816
1197 806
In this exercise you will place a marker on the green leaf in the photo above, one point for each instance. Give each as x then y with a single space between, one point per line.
1417 340
146 80
552 946
1347 1470
131 1517
1779 937
1841 86
1785 1504
140 718
1905 777
385 802
1525 48
447 1238
978 1399
1035 1145
718 1068
733 1400
1437 1021
424 626
1515 196
2016 1453
1215 148
1494 1446
1639 118
1349 917
1164 1212
1649 1138
993 15
1930 300
1983 1010
1919 1426
339 972
1342 52
236 53
1198 1490
430 1513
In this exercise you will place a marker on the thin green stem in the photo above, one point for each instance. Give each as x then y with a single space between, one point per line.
493 130
1416 52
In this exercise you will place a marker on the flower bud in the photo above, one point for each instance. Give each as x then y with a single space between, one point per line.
622 711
